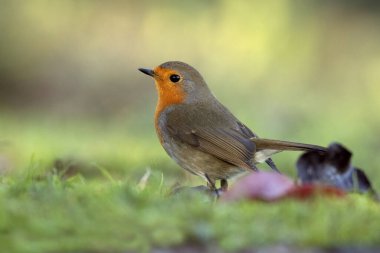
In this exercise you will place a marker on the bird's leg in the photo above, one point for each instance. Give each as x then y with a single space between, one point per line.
271 164
223 185
211 185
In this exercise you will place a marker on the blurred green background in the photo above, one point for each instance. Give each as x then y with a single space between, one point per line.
76 119
71 96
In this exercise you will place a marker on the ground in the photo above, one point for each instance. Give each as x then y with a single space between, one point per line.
98 200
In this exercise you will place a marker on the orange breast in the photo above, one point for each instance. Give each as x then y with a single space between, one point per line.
168 94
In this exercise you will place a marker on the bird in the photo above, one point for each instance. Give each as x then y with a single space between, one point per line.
201 135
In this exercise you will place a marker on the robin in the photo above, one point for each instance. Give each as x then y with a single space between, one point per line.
201 134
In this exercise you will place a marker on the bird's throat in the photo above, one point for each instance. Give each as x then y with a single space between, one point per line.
167 96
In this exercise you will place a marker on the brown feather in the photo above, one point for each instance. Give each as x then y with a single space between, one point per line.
262 144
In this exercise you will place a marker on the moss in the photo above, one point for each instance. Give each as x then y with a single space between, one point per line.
102 206
54 215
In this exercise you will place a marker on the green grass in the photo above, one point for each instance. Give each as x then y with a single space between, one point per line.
52 215
99 205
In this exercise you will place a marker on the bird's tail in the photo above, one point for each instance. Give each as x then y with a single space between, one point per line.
266 147
262 144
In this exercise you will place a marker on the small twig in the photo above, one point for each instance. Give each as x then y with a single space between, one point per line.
144 179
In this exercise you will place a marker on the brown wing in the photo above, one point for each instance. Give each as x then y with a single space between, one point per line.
229 145
246 131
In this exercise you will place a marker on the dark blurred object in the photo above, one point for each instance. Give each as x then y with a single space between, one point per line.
333 168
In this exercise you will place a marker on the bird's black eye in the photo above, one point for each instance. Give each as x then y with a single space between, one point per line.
175 78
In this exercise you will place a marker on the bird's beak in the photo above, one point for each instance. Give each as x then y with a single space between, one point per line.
148 72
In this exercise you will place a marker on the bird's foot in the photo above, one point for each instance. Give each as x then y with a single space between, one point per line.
211 185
